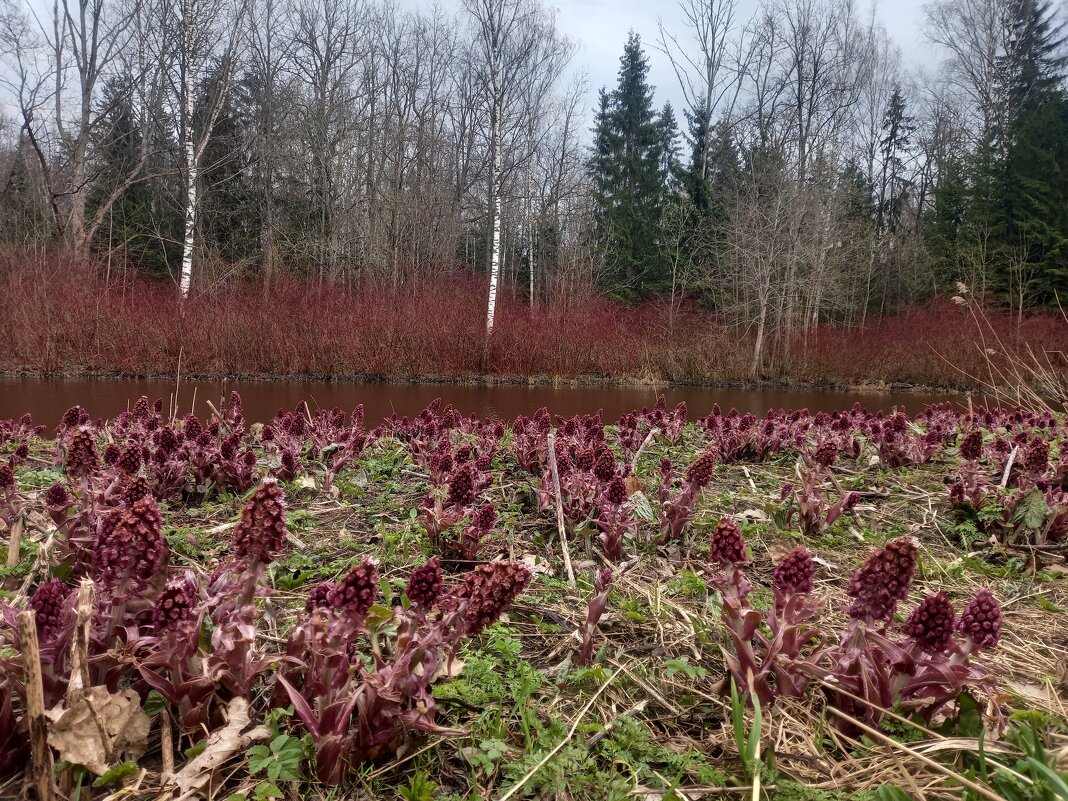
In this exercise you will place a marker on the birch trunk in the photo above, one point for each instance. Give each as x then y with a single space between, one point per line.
188 146
495 206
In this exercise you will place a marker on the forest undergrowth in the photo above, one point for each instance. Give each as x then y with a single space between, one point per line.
850 605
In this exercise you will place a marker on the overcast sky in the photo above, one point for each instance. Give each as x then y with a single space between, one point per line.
601 28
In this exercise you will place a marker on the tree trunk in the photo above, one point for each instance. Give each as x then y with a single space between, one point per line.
495 211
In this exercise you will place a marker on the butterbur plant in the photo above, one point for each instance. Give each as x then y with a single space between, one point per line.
924 666
805 501
461 544
677 507
359 712
602 586
615 518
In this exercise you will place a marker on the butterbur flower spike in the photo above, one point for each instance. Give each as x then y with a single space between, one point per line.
355 593
174 606
794 573
131 545
981 620
883 580
261 532
489 590
49 603
971 447
319 597
727 546
424 585
699 474
931 623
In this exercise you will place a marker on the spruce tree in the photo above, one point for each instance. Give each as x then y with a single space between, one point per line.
631 169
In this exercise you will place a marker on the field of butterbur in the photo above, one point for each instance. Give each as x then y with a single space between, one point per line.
796 606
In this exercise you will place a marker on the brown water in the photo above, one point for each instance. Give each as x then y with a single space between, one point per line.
47 399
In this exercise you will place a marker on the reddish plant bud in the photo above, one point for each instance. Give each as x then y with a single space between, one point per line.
7 477
355 593
111 454
191 426
485 518
489 590
699 474
727 545
49 604
174 606
666 467
140 408
424 585
826 454
883 580
461 487
319 597
56 497
138 489
130 545
23 450
261 531
82 459
586 459
617 491
484 463
228 448
971 447
463 454
605 467
130 460
74 416
1036 457
981 620
794 573
931 623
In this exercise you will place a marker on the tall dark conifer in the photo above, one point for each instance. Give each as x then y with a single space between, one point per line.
631 168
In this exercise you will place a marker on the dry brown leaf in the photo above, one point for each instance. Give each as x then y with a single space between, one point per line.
221 746
100 730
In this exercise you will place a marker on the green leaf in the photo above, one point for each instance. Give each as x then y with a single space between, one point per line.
117 774
155 703
1032 510
890 792
1060 789
197 749
642 508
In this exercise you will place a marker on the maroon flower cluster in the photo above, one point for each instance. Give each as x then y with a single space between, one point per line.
981 620
424 585
355 593
1036 457
461 487
727 546
616 494
261 532
489 590
883 580
319 597
82 459
129 462
174 606
931 623
971 447
825 454
7 477
794 573
49 603
699 474
138 489
130 544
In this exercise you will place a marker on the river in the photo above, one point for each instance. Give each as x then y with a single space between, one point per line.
47 399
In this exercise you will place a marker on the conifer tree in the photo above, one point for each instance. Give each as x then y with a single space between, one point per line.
631 169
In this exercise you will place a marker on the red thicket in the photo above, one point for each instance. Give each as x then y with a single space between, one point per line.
58 317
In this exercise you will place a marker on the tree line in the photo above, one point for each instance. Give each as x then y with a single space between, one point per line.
807 177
